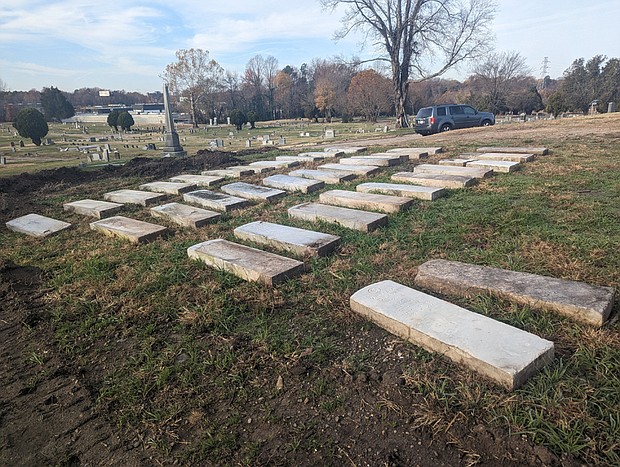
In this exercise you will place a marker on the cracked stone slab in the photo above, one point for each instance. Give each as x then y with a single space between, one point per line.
505 354
369 201
143 198
198 180
496 166
449 170
520 150
254 192
435 180
327 176
212 200
249 264
187 216
398 189
130 229
301 242
36 225
291 183
577 300
93 208
356 169
355 219
169 188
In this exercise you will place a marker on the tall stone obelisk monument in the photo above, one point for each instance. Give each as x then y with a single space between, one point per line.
172 146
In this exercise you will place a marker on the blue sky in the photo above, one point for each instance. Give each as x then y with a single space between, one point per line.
115 44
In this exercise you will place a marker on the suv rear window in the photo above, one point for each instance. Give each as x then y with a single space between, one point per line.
425 112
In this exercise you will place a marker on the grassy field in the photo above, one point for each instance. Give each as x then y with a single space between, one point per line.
193 365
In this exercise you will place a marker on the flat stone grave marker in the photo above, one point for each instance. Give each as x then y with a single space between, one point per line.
507 355
409 191
388 155
370 201
255 192
428 151
130 229
247 263
455 162
143 198
496 166
231 172
412 153
187 216
356 169
323 155
274 165
291 183
198 180
298 241
498 156
36 225
577 300
93 208
301 159
524 150
355 219
212 200
169 188
370 160
327 176
346 150
448 170
434 180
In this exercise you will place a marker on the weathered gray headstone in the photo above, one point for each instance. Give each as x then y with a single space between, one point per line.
448 170
370 160
355 219
507 355
435 180
232 172
255 192
346 149
410 191
496 166
198 180
412 153
322 155
298 241
36 225
130 229
143 198
93 208
329 134
499 156
577 300
172 146
169 188
273 164
455 162
212 200
356 169
525 150
300 158
187 216
327 176
369 201
290 183
247 263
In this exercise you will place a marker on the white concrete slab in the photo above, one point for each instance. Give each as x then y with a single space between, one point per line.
521 150
351 218
404 157
456 162
93 208
346 149
496 166
212 200
577 300
369 201
498 156
274 165
143 198
448 170
169 188
229 173
327 176
254 192
255 169
428 151
322 155
301 159
412 153
198 180
247 263
36 225
301 242
290 183
187 216
370 160
130 229
435 180
507 355
409 191
356 169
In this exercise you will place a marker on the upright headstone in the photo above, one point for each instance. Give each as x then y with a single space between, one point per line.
172 146
2 160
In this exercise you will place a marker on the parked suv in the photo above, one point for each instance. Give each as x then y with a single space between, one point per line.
450 117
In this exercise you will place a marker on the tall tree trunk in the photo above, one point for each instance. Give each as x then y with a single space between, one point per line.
192 106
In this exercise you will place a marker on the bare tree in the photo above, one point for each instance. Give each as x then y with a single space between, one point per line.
419 38
193 76
497 73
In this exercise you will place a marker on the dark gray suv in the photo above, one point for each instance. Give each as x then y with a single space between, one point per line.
448 117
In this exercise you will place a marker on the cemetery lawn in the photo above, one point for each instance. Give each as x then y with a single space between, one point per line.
121 354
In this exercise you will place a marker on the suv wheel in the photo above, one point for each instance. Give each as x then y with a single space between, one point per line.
445 127
486 123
